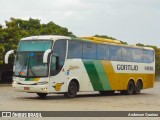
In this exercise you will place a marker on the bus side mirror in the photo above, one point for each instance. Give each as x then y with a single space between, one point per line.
7 56
45 56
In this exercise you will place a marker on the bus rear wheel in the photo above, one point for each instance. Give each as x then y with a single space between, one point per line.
138 87
72 90
130 88
42 95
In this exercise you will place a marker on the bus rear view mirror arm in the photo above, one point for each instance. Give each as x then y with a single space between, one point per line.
7 56
45 56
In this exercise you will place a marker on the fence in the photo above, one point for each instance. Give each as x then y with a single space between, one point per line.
6 73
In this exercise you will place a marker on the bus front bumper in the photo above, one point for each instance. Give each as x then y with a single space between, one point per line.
30 88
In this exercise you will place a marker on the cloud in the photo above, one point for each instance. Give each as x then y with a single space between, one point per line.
132 21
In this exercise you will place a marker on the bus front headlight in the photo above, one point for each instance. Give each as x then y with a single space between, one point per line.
15 82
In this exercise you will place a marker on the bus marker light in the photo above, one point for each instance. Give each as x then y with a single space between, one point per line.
44 89
15 82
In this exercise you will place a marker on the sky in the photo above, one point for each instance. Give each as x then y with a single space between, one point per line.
132 21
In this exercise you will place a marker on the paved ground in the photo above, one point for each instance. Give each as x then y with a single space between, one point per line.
148 100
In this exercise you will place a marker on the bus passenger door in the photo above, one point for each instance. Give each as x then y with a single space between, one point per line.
57 76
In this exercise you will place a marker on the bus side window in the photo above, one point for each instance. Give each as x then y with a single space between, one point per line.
89 50
74 49
137 55
102 52
126 54
115 53
148 56
58 57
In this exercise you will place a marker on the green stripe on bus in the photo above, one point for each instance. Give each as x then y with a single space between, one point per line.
102 75
93 75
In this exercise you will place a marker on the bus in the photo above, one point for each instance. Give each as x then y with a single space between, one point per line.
65 65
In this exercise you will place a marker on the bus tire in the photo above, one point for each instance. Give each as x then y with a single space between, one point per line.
130 88
42 95
138 87
123 92
106 92
72 90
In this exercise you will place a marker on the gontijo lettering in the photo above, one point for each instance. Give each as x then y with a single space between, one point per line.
127 67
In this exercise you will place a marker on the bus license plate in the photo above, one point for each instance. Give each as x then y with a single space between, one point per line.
26 88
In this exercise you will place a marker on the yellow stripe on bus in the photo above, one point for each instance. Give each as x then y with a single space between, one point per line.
119 81
36 79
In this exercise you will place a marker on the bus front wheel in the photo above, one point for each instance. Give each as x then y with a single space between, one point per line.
72 90
42 95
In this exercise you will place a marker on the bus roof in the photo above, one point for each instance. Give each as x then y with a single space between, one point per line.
43 37
89 39
98 39
111 42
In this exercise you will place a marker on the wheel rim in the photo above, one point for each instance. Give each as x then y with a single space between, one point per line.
72 89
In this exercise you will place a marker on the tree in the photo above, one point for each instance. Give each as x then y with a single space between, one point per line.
105 36
15 29
2 51
109 37
157 59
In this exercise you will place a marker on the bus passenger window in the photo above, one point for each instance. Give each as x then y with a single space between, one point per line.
126 54
137 55
89 50
102 52
115 53
148 56
74 49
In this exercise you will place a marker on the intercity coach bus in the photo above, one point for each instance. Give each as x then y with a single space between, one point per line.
66 65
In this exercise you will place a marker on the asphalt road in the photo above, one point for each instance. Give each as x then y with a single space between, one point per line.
148 100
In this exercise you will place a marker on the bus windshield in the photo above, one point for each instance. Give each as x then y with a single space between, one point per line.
34 45
29 59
